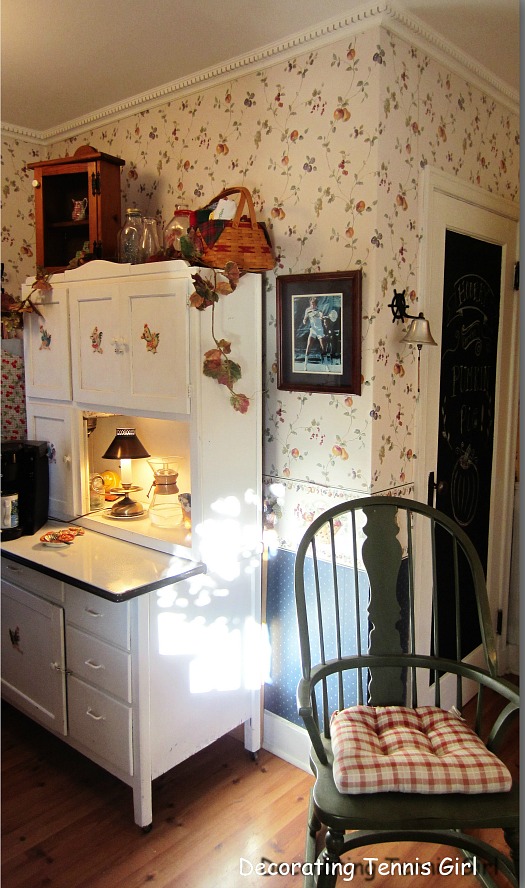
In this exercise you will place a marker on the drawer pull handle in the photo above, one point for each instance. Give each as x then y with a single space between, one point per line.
94 716
93 665
92 613
13 568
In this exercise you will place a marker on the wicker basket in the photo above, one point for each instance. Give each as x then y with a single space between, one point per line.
241 240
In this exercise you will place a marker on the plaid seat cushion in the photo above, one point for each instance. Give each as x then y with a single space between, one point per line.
425 750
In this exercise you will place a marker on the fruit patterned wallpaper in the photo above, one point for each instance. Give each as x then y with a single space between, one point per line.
332 145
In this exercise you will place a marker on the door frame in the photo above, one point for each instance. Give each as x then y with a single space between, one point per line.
439 188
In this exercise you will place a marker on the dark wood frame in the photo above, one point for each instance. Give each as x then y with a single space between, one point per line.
339 288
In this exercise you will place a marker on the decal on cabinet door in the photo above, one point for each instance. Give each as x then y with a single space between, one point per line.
96 340
14 635
45 338
152 340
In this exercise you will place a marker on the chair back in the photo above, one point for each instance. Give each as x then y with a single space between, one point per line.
385 589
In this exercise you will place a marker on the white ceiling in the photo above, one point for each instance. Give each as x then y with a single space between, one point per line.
63 59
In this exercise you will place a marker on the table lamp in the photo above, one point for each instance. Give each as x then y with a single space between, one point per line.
125 447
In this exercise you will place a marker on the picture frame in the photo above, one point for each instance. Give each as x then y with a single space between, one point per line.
319 332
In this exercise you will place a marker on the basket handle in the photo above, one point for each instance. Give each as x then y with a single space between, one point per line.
245 198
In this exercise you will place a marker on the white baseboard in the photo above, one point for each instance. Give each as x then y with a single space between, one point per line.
286 740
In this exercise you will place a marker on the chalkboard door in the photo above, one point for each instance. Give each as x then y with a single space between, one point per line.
468 427
469 352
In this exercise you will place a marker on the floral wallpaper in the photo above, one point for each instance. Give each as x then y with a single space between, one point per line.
332 145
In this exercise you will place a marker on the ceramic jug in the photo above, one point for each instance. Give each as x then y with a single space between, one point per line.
79 209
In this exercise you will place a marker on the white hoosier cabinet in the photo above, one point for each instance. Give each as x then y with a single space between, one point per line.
143 642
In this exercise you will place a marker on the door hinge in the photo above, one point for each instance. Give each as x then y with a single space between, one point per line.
517 276
95 184
499 622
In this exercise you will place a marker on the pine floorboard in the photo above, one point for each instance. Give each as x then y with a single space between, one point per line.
66 823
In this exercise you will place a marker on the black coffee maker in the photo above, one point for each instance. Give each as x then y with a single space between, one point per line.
25 487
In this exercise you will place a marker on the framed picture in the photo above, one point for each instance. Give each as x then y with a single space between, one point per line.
319 332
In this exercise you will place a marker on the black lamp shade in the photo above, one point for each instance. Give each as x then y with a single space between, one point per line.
125 445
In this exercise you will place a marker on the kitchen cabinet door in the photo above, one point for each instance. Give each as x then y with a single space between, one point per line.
33 657
130 345
46 347
157 321
52 422
98 344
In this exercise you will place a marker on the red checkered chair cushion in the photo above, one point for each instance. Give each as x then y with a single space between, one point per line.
425 750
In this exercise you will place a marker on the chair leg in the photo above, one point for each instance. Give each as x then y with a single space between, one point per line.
330 858
512 837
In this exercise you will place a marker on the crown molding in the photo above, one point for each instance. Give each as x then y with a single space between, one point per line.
410 28
387 14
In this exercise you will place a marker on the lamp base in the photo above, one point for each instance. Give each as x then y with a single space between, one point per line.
126 507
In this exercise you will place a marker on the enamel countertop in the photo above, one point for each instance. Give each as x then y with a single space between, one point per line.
108 567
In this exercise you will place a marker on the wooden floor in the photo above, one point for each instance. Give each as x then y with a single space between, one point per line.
66 823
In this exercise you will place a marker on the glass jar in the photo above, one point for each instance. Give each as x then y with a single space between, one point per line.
130 236
176 228
97 492
149 242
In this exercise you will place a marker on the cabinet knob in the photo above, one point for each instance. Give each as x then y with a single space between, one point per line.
120 343
58 668
35 183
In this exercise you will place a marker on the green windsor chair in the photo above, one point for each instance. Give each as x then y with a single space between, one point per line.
392 757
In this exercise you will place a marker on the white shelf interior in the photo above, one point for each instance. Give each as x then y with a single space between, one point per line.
160 438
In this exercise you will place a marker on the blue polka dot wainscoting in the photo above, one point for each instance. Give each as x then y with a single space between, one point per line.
280 693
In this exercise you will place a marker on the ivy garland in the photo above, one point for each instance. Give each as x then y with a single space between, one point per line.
217 364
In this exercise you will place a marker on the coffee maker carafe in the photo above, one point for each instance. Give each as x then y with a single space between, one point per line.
165 509
25 487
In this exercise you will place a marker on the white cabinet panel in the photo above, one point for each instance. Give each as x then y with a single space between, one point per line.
106 619
97 342
99 663
101 724
33 580
159 345
51 422
33 657
46 347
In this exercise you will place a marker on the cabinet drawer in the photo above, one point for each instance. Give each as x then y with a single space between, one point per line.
33 580
101 664
106 619
100 723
